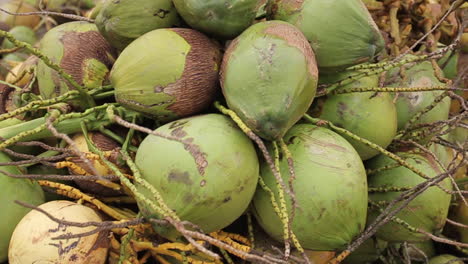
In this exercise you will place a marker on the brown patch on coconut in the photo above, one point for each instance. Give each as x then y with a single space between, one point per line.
78 47
196 88
294 37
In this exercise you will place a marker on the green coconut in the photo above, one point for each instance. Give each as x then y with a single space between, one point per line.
13 189
120 22
330 189
224 19
209 181
21 33
409 103
453 63
342 33
445 259
175 76
367 252
79 49
269 77
428 211
360 113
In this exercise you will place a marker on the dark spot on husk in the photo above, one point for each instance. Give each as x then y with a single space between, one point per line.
181 177
227 199
197 154
188 198
161 13
92 45
73 257
203 183
322 211
179 132
158 89
348 165
196 89
177 124
342 107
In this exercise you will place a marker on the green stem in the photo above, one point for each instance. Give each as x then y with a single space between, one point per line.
36 129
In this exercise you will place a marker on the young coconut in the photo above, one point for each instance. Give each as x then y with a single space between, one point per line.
209 180
175 77
120 22
409 103
24 190
269 77
330 189
221 19
79 49
428 211
21 33
33 238
105 144
361 113
342 33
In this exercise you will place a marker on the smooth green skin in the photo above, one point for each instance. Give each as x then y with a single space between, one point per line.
449 64
367 253
21 33
52 47
342 33
443 153
120 22
408 104
428 211
224 19
330 188
445 259
368 115
267 81
135 74
13 189
211 200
